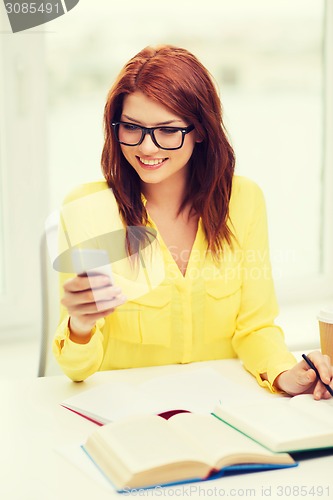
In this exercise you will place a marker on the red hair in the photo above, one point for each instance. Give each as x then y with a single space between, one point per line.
173 75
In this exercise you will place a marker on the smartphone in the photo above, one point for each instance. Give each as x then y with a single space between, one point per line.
91 261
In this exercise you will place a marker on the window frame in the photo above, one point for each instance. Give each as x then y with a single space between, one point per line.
327 206
320 286
23 190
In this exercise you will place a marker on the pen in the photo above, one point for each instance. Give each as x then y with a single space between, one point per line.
311 365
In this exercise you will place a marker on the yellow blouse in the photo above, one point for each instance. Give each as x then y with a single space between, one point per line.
218 310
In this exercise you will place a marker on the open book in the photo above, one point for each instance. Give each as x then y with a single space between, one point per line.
285 424
148 450
197 391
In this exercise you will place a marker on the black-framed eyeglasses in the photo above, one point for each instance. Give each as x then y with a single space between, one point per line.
168 138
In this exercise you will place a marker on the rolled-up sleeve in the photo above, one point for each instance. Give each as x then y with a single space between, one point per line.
78 361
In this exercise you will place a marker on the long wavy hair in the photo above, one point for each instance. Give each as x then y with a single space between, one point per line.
172 75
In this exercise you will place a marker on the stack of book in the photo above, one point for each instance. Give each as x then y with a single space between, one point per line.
163 442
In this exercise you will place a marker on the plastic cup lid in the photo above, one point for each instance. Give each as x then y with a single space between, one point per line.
326 315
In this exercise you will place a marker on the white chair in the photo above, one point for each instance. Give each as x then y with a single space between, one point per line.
50 313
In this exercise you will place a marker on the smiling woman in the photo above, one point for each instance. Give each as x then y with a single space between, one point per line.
276 85
216 297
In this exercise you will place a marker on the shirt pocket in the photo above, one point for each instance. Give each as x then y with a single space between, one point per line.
222 304
145 320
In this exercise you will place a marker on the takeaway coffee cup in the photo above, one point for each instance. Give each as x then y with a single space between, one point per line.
325 318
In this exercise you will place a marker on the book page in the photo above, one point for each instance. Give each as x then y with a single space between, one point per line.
197 391
105 402
278 425
217 439
143 443
319 410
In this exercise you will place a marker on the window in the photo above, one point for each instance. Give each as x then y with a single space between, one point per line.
23 179
2 229
276 85
267 58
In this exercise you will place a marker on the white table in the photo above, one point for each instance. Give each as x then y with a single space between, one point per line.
33 425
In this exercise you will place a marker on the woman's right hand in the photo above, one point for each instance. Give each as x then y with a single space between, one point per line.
87 299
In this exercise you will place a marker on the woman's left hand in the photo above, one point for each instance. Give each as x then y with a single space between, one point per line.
302 379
